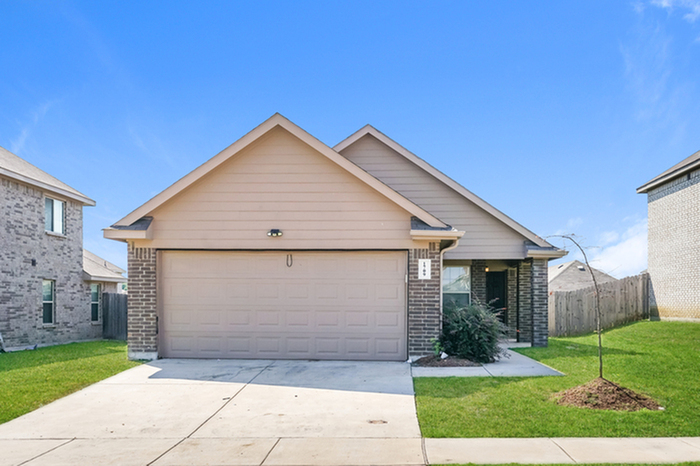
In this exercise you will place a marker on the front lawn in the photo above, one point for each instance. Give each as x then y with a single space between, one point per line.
30 379
659 359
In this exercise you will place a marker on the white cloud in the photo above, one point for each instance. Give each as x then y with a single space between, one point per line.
17 144
618 253
625 256
608 237
690 7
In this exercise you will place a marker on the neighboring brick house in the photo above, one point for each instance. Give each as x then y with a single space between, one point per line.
574 275
46 294
674 241
283 247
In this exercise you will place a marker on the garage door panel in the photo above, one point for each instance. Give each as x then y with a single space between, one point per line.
326 305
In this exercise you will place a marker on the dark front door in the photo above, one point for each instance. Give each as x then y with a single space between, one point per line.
497 293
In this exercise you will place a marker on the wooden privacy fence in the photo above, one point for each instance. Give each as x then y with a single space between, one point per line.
621 301
114 316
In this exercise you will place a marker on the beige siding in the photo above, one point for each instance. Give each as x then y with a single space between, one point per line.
280 182
486 237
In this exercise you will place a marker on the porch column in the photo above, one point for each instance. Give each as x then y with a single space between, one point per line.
142 323
540 325
525 301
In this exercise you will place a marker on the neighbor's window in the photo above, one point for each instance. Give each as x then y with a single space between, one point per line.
456 285
54 215
48 301
95 302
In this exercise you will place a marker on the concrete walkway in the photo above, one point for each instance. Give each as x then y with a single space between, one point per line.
512 365
196 412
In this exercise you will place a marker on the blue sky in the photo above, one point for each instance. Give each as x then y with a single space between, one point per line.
552 112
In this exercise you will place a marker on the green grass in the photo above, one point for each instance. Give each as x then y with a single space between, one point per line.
659 359
30 379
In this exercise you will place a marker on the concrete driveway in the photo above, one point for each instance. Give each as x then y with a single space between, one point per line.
197 412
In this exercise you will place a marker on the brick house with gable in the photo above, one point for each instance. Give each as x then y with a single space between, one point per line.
673 199
283 247
50 288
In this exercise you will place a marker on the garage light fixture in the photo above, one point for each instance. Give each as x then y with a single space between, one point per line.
274 232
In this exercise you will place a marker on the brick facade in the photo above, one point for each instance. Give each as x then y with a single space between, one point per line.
424 315
674 248
142 335
539 290
512 303
478 274
28 255
525 302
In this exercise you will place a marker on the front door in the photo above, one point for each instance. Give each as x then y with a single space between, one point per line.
497 293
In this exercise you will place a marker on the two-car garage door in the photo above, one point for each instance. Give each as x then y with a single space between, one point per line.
283 304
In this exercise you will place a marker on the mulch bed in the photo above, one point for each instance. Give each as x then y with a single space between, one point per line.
601 393
450 361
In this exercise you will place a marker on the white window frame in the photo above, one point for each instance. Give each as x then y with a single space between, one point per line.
98 303
52 302
442 282
58 210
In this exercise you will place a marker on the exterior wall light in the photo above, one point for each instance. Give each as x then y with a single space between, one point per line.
274 233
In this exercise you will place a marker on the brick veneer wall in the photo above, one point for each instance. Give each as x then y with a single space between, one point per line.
525 301
56 257
142 333
424 317
674 248
512 302
539 289
478 275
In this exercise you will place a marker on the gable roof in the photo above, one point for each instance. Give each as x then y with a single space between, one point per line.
369 129
97 269
271 123
577 277
681 168
16 168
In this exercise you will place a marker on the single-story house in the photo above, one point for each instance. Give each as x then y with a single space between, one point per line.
283 247
574 275
109 276
673 200
50 288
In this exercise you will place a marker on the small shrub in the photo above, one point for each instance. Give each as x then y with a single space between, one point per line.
472 332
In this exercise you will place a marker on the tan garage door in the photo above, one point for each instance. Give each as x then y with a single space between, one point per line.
288 305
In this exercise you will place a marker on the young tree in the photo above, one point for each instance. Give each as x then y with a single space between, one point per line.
597 302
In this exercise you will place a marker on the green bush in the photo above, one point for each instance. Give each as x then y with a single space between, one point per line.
472 332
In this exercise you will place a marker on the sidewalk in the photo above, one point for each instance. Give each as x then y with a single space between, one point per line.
512 365
562 450
334 451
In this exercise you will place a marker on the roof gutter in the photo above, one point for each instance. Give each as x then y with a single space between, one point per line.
645 188
47 187
546 253
435 235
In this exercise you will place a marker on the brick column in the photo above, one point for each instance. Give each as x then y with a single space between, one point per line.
512 303
142 317
478 273
525 301
540 324
424 316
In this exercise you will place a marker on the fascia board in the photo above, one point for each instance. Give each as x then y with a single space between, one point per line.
123 235
96 278
47 187
645 188
551 254
435 235
259 131
452 184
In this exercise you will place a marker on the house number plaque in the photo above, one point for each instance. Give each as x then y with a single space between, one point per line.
423 269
